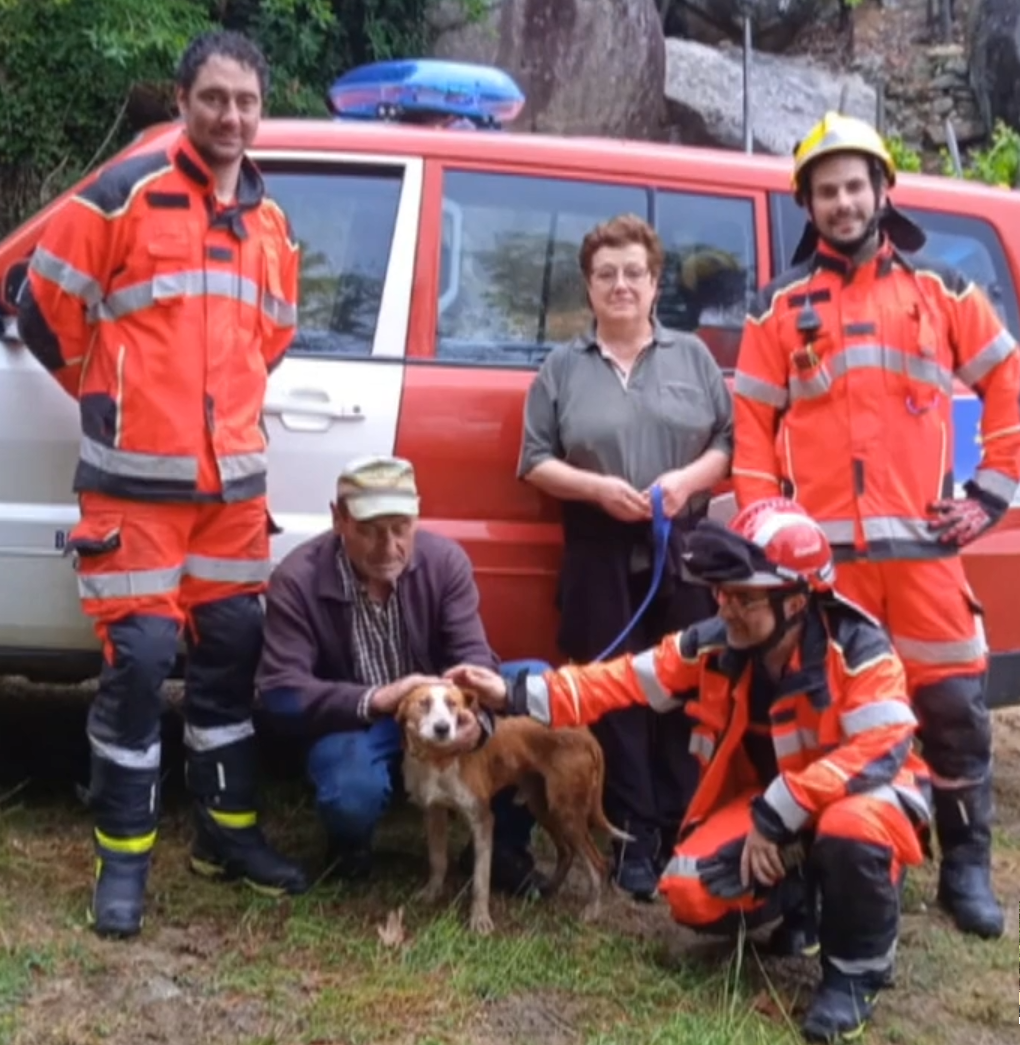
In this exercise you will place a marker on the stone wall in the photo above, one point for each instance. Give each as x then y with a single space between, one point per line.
934 86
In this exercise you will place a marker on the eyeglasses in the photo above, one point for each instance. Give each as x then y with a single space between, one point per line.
608 277
742 601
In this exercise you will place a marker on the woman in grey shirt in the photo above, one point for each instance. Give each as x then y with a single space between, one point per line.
607 417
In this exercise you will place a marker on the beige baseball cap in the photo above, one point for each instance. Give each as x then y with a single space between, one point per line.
374 486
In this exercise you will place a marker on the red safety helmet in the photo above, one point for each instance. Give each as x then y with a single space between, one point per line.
793 547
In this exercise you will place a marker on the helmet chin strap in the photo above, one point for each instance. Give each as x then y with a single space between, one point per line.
783 623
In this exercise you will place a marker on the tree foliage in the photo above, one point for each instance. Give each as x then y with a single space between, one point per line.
70 68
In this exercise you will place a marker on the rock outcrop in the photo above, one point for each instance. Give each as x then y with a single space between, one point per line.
994 34
774 23
585 66
788 96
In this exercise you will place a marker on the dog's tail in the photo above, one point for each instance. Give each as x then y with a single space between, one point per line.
596 814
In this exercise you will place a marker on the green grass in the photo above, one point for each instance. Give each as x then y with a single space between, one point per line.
246 971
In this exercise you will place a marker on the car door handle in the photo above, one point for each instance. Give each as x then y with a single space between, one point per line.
311 409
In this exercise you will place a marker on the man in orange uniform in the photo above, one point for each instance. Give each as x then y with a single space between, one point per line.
803 729
843 399
160 296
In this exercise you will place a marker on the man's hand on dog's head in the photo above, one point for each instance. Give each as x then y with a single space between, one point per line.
386 699
486 685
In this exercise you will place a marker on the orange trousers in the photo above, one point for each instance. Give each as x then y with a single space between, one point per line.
861 845
146 569
929 610
935 623
164 560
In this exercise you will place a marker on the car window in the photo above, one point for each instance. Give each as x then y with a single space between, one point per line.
509 282
969 244
343 218
510 288
710 270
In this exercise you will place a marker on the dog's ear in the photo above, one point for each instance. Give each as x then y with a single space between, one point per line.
403 711
471 701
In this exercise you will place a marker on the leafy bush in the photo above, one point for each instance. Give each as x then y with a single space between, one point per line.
67 67
998 164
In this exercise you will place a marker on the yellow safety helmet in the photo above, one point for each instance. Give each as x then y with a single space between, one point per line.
838 133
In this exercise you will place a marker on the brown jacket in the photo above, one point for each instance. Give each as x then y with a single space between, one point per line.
306 677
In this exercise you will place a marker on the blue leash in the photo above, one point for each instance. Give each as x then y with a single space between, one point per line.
661 525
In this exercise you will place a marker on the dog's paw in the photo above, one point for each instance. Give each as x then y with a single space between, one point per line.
481 923
431 893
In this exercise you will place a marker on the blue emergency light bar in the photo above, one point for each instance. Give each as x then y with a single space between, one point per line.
427 91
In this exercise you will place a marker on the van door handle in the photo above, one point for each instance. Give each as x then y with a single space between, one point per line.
310 410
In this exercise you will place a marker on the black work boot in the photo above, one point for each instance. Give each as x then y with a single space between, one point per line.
842 1004
229 844
963 822
125 803
796 936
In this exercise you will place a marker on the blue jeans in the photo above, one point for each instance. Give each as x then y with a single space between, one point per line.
352 773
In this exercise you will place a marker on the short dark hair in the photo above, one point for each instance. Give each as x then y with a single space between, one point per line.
228 44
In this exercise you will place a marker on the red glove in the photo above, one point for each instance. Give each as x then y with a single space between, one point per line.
960 521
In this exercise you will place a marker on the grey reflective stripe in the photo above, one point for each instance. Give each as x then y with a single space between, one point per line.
129 583
838 531
926 652
810 387
761 391
873 716
787 744
859 966
998 484
898 528
127 757
680 866
281 312
912 798
242 466
189 283
67 277
538 699
702 746
865 357
659 699
987 359
790 811
884 357
217 737
239 571
128 464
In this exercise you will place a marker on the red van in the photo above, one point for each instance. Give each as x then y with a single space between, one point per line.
438 268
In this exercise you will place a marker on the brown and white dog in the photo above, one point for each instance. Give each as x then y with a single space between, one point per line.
559 774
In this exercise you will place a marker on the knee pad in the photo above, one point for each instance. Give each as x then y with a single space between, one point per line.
233 625
955 727
126 709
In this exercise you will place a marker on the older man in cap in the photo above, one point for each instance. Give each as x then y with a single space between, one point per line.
355 618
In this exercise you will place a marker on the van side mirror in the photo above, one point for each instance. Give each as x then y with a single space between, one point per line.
10 286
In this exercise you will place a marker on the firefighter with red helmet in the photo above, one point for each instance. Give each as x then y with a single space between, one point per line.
843 398
803 728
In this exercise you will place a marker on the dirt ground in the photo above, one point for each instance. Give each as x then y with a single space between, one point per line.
213 966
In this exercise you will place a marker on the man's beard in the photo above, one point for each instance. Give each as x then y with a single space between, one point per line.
851 248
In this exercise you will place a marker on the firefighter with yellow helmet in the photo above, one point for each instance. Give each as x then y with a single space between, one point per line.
843 398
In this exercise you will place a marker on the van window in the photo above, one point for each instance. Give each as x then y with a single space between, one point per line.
969 244
710 271
343 218
510 288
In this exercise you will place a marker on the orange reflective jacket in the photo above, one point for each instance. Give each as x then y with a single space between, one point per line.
162 313
841 722
843 396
